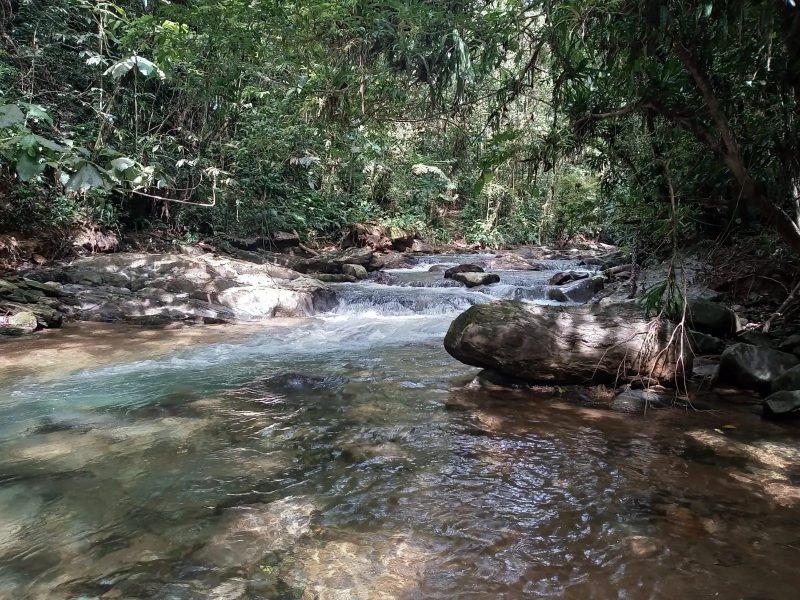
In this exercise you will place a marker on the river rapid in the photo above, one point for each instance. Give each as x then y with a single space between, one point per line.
344 457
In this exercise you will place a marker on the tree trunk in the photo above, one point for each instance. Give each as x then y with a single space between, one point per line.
569 345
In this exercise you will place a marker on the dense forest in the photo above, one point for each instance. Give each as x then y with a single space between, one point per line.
491 122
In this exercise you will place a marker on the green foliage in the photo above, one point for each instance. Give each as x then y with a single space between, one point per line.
496 122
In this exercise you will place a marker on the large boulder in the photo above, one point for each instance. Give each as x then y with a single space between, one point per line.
476 279
712 318
575 344
753 367
782 405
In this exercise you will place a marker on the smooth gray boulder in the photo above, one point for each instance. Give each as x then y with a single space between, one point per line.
711 318
753 367
782 405
563 345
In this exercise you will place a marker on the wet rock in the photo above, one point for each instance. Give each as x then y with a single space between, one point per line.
572 344
782 405
566 276
638 401
301 381
437 268
354 256
475 279
367 567
334 277
712 318
752 367
466 268
788 380
583 290
705 344
356 271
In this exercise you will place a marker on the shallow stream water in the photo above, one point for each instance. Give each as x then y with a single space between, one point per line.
343 457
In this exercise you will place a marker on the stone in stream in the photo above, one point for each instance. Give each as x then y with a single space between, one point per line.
300 381
20 323
573 344
752 367
712 318
705 344
638 401
244 535
466 268
582 290
782 405
357 271
563 277
476 279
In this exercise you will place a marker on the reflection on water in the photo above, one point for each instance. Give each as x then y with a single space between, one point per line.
344 458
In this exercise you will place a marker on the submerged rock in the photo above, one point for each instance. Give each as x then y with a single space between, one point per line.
355 271
245 534
476 279
576 344
752 367
638 401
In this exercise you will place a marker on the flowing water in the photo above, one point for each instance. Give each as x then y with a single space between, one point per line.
343 457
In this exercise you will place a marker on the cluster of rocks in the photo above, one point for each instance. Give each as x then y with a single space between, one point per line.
199 285
158 289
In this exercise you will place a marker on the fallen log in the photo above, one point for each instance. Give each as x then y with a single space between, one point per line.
569 345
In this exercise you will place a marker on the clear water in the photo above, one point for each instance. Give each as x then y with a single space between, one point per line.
343 457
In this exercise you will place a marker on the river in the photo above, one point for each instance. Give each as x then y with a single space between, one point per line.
345 457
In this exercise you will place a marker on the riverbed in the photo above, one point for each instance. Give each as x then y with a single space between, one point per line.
345 456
